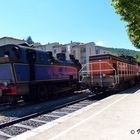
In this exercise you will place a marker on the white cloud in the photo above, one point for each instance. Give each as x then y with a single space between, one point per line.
99 43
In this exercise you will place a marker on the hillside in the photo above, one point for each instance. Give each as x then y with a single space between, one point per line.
126 52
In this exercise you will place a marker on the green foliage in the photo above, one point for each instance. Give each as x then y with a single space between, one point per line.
130 12
126 52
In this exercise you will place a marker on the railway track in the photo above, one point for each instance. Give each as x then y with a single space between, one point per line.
17 125
21 103
6 106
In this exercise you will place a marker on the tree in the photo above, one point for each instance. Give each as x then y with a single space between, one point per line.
130 12
29 40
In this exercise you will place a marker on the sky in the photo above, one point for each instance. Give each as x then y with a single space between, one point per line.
64 21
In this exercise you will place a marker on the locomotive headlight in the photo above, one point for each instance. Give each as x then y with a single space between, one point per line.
104 75
5 83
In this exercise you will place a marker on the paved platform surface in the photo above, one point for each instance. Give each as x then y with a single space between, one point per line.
116 117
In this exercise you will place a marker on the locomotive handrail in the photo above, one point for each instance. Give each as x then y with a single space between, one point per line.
101 70
88 72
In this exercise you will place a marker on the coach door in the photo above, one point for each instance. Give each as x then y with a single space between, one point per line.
31 57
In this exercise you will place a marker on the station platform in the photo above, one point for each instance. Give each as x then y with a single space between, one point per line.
116 117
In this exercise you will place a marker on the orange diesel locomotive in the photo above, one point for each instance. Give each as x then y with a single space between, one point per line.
109 72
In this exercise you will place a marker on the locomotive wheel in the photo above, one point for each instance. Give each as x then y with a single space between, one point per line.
11 99
2 100
52 91
27 98
131 83
30 97
123 85
42 93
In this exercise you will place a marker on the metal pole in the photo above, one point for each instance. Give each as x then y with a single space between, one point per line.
100 73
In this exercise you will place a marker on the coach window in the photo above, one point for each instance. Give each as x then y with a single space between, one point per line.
123 71
125 68
118 68
128 69
131 70
121 68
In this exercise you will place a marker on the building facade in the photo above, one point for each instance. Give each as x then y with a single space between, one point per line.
81 51
53 47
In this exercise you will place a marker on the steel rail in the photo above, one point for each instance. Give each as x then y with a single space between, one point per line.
6 124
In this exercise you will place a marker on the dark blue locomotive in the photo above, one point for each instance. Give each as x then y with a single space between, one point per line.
34 74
